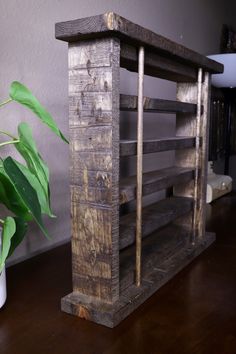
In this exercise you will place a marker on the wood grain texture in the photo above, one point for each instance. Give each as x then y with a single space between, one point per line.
130 103
111 24
154 181
129 147
154 217
94 172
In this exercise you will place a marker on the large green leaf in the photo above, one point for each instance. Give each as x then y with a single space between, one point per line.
21 228
9 228
27 148
42 196
10 198
23 95
25 190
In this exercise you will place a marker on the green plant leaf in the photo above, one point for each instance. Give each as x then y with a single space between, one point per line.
10 198
25 190
21 228
42 196
23 95
9 228
28 150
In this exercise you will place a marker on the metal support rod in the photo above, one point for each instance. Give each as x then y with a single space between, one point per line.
197 154
139 166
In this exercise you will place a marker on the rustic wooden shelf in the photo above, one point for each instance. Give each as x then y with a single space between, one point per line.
129 147
151 105
155 216
118 262
154 181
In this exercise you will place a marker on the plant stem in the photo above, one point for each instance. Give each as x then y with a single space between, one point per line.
8 134
10 142
5 102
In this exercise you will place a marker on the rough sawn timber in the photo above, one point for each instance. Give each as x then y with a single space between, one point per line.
95 225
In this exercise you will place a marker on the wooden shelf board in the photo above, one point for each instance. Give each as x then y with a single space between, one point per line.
130 103
154 181
154 216
129 147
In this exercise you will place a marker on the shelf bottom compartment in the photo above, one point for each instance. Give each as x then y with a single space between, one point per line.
157 250
164 255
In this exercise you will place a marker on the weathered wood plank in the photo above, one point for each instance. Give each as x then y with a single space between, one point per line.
154 181
130 103
204 133
111 24
92 251
154 217
94 171
129 147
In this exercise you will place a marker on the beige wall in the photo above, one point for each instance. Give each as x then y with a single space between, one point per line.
30 54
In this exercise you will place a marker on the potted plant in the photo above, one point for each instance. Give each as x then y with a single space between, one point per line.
24 188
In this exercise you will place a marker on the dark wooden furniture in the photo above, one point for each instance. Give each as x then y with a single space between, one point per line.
113 274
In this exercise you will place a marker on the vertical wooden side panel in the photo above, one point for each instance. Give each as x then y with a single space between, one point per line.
204 152
186 125
94 173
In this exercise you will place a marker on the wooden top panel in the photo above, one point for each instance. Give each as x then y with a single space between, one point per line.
111 24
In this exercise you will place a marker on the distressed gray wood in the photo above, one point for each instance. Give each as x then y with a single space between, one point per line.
154 216
111 24
154 181
94 90
112 314
129 147
130 103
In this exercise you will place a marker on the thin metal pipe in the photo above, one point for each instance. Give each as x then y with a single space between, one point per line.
139 166
197 154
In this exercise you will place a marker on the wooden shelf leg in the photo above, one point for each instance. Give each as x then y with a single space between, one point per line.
94 71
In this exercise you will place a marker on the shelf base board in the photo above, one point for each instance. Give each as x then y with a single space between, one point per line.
110 315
